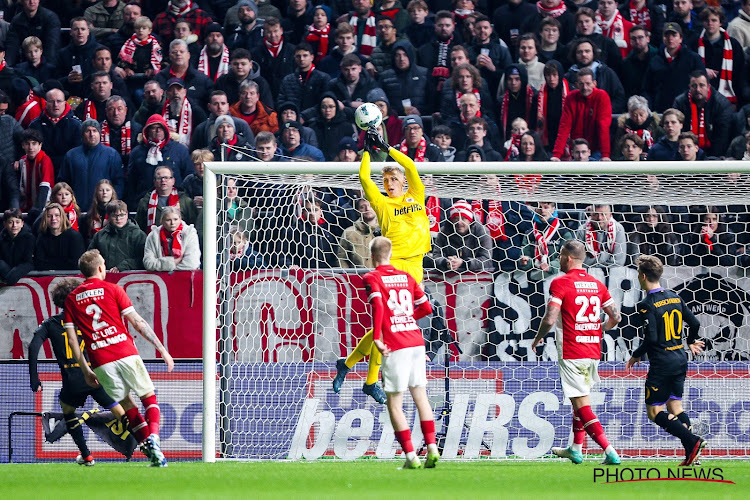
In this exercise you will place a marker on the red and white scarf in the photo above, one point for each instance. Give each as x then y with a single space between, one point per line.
369 37
640 16
184 121
554 12
432 207
493 218
592 245
541 249
274 48
541 108
725 74
90 113
72 215
153 203
125 133
204 67
643 133
55 120
613 28
128 50
419 153
97 223
30 109
671 58
460 94
698 120
154 157
32 178
529 107
319 38
512 146
175 249
179 11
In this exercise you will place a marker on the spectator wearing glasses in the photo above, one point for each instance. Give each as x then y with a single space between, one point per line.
121 241
152 205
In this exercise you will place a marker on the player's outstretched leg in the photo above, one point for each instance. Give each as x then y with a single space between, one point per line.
363 348
594 429
574 451
427 423
73 424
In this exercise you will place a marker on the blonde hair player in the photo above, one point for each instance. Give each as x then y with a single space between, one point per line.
403 220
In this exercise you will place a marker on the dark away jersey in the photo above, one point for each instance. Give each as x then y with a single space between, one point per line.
662 314
52 329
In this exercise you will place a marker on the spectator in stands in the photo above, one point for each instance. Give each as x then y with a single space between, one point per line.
237 209
121 242
463 243
306 84
722 55
173 246
347 151
487 53
710 243
275 57
388 36
204 133
182 114
465 79
213 60
441 137
248 32
96 217
636 63
308 244
294 147
193 183
330 125
647 13
297 17
242 255
35 64
165 194
153 102
103 62
405 83
244 69
528 56
183 30
435 55
708 114
586 55
155 150
331 64
530 149
580 150
415 145
739 27
30 104
142 52
476 135
511 147
587 27
352 85
249 108
654 236
60 128
668 71
518 101
94 107
613 25
16 248
587 113
118 132
469 108
74 60
288 111
267 148
421 29
130 13
739 149
640 121
233 146
688 148
683 15
33 20
84 165
551 8
58 246
63 195
198 85
551 49
395 10
665 148
632 147
354 245
105 17
36 173
181 9
363 19
604 237
552 95
10 132
541 246
7 73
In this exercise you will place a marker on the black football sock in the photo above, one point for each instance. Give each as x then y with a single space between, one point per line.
76 432
675 428
685 419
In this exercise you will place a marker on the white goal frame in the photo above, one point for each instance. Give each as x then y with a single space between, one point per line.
212 169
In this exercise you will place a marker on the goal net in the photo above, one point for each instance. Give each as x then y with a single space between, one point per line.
287 244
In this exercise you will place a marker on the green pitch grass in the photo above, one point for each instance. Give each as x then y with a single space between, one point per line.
336 479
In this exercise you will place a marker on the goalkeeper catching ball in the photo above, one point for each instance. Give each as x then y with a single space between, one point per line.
403 220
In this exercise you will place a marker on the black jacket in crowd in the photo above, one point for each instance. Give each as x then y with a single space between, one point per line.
15 255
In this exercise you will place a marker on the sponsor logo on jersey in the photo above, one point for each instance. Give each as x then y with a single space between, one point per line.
586 285
587 339
407 210
395 279
96 292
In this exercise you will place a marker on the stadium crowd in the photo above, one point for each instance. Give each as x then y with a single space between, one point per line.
117 112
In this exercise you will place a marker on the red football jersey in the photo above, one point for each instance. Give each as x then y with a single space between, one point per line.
581 298
96 308
400 294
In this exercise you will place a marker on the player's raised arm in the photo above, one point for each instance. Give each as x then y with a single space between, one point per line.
144 329
371 190
410 168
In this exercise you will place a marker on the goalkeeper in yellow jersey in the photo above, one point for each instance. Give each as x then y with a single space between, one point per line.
403 220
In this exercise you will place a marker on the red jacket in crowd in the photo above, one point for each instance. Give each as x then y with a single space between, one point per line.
587 117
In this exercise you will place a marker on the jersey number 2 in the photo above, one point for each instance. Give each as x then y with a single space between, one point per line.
585 302
400 302
96 311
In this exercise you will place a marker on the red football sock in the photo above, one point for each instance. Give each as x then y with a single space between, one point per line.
138 426
153 414
579 433
592 426
428 430
404 439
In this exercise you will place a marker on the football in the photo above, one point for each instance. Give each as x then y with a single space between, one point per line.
368 115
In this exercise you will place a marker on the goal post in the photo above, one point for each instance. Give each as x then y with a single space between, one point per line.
279 310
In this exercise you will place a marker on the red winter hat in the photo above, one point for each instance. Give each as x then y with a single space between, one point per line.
462 208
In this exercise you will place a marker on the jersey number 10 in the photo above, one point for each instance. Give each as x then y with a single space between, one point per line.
672 324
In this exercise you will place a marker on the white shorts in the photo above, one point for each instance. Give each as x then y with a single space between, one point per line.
404 368
121 376
577 376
